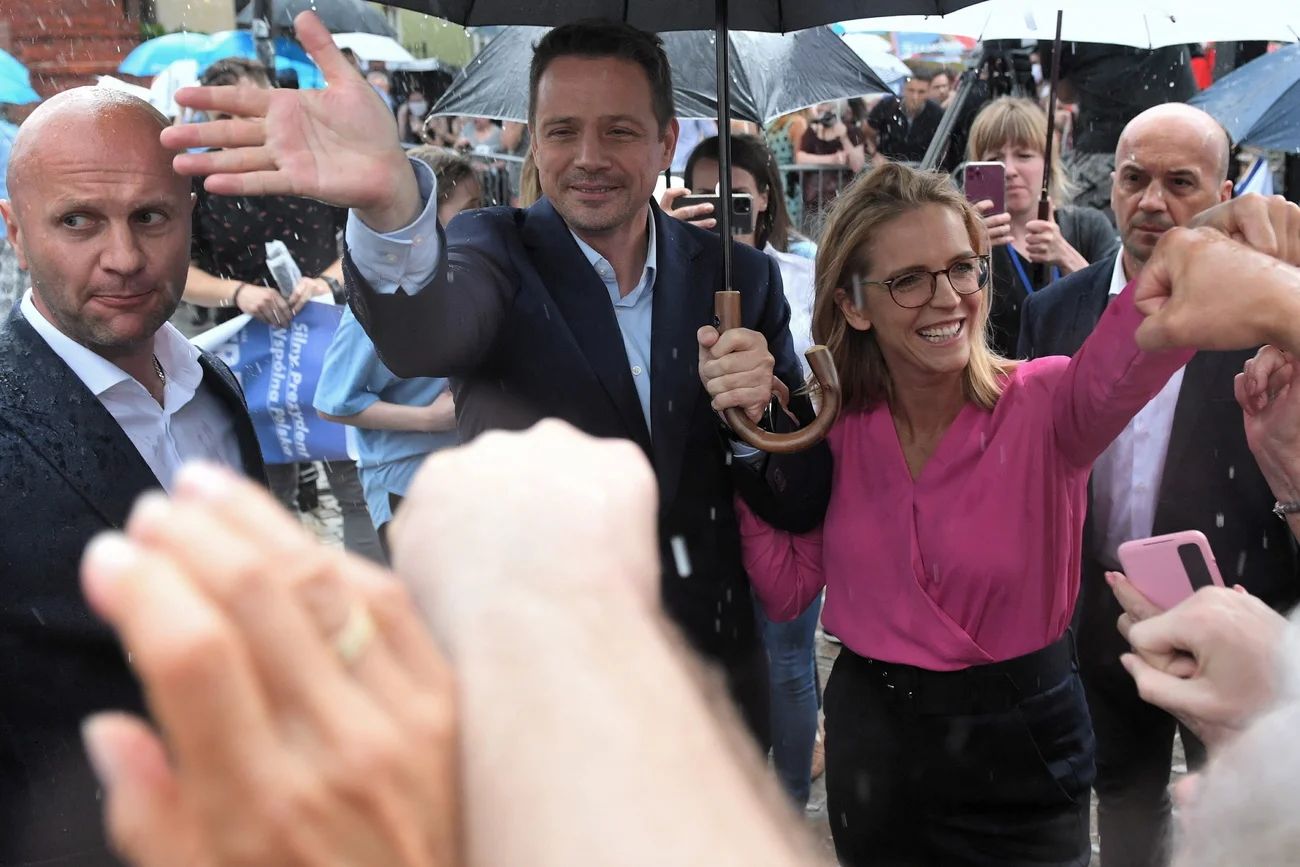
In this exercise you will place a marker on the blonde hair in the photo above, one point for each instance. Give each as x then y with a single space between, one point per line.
1021 123
530 182
857 216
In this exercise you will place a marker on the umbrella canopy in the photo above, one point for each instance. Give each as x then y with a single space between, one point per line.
153 56
241 43
766 16
15 83
370 47
875 51
339 16
1259 104
772 75
1136 23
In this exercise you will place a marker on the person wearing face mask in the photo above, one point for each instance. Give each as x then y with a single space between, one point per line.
1183 463
1012 132
410 117
956 727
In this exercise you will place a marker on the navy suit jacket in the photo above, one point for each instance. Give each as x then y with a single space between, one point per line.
520 322
67 472
1210 481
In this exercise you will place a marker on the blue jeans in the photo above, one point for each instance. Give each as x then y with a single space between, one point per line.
793 666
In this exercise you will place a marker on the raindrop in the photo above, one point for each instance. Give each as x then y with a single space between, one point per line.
1241 563
1266 543
935 570
984 439
713 510
1218 519
681 557
1232 471
717 626
675 348
1002 453
41 620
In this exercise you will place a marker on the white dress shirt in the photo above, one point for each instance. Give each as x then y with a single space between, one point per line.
191 424
408 258
799 278
1126 478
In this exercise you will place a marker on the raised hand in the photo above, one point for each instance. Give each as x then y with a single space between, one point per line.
1269 224
1269 395
338 145
1203 290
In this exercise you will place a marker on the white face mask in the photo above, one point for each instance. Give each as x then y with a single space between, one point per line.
1037 70
417 109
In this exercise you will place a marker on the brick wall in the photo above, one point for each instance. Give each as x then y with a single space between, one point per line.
66 43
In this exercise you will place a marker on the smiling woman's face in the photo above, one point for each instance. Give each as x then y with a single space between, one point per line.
935 338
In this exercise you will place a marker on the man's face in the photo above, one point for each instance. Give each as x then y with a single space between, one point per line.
1166 172
940 88
596 141
915 93
103 224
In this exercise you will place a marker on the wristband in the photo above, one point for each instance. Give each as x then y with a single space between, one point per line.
233 300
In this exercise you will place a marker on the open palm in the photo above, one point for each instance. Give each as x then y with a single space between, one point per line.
338 145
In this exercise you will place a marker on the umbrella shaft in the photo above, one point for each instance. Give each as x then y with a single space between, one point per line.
723 47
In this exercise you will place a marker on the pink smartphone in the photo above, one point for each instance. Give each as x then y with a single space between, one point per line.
1168 569
986 181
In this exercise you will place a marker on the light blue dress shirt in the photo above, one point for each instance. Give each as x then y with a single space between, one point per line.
7 134
408 258
354 379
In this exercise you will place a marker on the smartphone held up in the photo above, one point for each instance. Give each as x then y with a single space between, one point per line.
1169 569
986 182
742 210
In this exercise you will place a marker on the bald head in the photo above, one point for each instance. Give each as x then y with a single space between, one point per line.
87 114
1171 164
1197 133
100 218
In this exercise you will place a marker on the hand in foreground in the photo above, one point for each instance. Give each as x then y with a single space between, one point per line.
338 145
1269 224
736 369
307 289
305 716
580 517
697 214
1201 290
1235 641
998 225
1269 395
265 305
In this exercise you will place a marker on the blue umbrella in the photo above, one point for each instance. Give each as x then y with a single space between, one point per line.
152 57
240 43
15 83
1259 104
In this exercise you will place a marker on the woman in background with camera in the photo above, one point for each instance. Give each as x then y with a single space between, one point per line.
838 152
1013 132
792 664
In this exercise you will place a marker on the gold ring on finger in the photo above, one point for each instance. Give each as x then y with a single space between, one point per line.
357 633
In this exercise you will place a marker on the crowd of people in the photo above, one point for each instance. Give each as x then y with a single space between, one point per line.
576 608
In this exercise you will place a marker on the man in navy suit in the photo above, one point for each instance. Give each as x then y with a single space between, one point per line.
592 306
100 401
1182 464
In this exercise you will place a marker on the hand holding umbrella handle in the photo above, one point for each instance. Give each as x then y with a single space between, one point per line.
727 309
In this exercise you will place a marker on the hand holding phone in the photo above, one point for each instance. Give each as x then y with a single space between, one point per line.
986 182
692 208
1169 569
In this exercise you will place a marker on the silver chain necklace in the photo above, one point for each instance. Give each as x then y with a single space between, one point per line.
158 369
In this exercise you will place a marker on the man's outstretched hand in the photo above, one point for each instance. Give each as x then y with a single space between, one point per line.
338 145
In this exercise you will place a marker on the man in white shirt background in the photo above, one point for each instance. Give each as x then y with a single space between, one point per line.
100 400
1181 464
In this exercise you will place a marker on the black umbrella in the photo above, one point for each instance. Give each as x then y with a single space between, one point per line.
1259 104
339 16
772 75
767 16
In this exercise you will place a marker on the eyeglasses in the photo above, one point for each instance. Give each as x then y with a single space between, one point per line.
916 288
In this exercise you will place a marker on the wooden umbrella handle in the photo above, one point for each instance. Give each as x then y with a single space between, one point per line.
727 309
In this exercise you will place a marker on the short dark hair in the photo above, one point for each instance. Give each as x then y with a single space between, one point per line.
925 75
230 70
752 154
599 37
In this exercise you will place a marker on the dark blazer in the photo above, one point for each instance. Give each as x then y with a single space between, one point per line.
1210 482
68 471
519 320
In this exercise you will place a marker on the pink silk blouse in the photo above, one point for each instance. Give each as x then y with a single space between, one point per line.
977 560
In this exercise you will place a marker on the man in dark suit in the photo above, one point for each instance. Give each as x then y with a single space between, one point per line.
1182 464
587 307
100 401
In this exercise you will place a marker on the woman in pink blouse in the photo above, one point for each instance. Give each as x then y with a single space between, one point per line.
956 726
